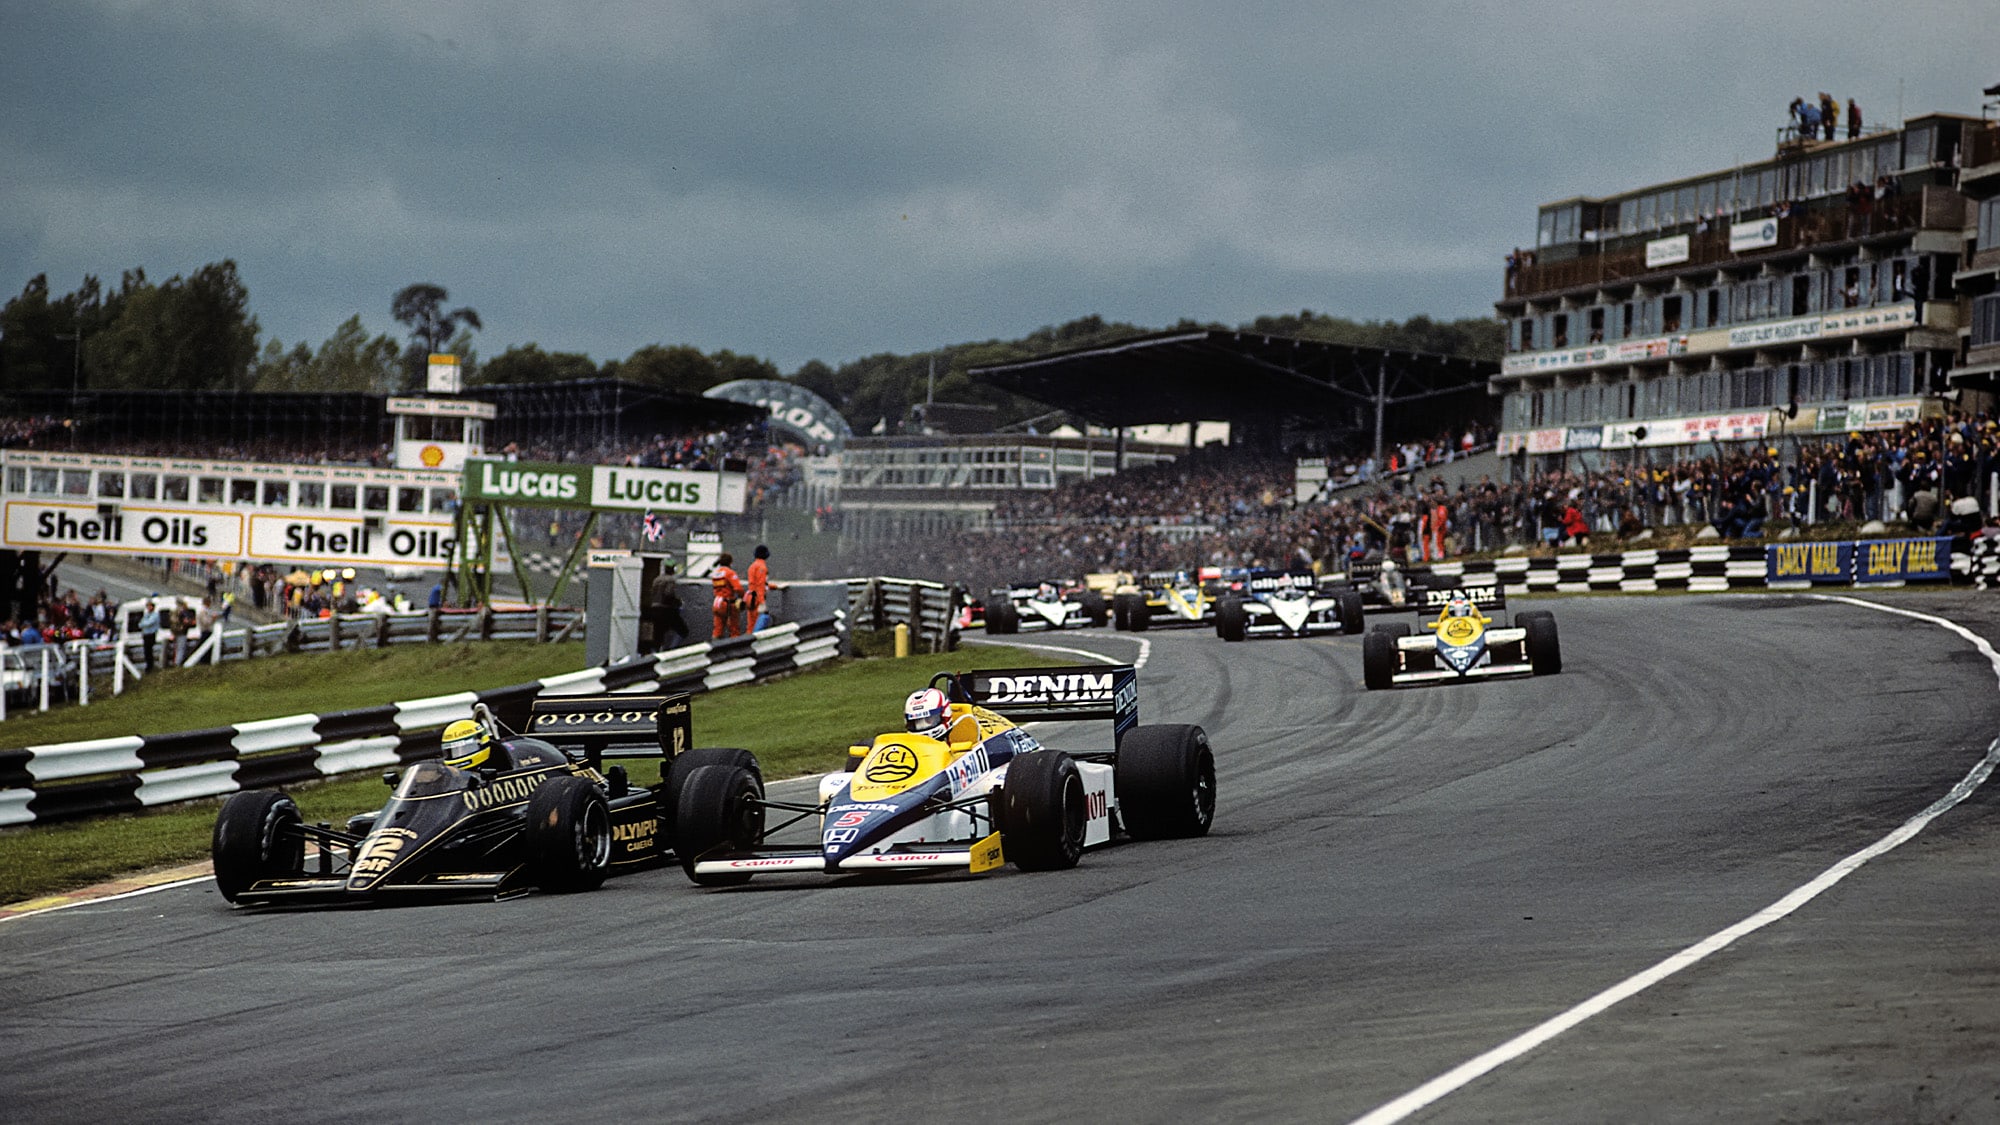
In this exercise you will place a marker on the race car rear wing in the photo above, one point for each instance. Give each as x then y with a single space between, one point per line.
1261 581
622 725
1488 594
1073 692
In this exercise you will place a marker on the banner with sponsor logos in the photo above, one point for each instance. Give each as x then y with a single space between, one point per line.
1666 251
1809 562
1859 562
1902 560
604 487
221 533
1753 235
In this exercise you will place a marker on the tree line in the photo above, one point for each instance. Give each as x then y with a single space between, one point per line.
196 333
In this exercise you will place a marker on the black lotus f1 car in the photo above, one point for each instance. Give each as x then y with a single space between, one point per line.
549 816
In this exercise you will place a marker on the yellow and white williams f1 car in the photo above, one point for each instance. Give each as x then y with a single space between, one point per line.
1461 643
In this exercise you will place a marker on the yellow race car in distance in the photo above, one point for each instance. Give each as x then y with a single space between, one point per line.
1461 644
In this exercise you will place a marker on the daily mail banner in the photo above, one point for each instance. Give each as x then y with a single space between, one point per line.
1902 560
1862 562
605 487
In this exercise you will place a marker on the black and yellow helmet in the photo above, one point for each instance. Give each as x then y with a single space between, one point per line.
465 745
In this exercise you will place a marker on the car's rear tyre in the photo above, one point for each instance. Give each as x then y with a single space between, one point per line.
1543 646
1230 619
1094 608
1121 612
1378 658
1002 619
1352 620
674 774
256 837
721 809
1141 618
1165 777
1042 812
1394 629
568 836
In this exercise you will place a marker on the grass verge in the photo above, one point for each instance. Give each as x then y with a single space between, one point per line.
801 724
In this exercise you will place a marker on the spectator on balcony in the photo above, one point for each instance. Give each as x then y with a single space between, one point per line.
1853 119
1808 120
1829 113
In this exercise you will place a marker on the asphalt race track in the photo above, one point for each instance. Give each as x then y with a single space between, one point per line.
1397 883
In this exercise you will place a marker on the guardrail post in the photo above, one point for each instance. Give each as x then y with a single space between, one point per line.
292 636
82 650
541 624
45 677
333 631
875 605
431 626
486 623
916 610
382 631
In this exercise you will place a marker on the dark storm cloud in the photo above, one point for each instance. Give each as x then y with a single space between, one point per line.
828 180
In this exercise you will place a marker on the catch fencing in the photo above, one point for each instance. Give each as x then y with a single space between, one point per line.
67 781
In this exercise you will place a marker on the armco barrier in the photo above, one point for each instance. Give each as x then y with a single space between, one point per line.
107 775
930 609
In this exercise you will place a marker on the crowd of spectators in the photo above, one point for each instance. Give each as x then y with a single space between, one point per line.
1234 508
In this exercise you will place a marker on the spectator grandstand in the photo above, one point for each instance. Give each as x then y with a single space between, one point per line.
1222 507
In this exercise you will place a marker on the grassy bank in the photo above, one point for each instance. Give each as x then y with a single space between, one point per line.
802 724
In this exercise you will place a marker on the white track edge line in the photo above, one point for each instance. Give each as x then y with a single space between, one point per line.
107 898
1145 648
1463 1074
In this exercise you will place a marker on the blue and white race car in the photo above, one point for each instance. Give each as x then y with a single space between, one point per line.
1284 603
964 789
1460 645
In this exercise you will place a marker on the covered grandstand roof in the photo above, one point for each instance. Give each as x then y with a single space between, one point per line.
1213 374
578 413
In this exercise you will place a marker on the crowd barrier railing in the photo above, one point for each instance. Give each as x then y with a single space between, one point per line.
67 781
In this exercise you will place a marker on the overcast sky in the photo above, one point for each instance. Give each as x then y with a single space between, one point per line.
825 180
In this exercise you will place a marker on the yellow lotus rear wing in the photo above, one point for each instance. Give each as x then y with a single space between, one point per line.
621 725
1075 692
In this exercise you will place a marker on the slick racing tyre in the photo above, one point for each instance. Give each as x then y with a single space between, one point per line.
1378 658
1348 604
256 837
1142 616
721 809
1042 813
569 836
1121 612
1094 611
674 774
1165 778
1230 619
1543 647
1002 619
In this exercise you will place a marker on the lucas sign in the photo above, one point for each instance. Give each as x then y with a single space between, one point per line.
620 488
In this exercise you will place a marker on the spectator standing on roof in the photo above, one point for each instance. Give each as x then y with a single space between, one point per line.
1853 119
1829 113
759 586
728 598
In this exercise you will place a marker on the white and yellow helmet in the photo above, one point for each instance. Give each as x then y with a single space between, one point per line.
465 745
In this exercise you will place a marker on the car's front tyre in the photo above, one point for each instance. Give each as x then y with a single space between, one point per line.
568 836
721 809
1165 777
1042 812
256 837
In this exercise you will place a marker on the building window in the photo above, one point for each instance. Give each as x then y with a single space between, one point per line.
1989 224
1986 321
